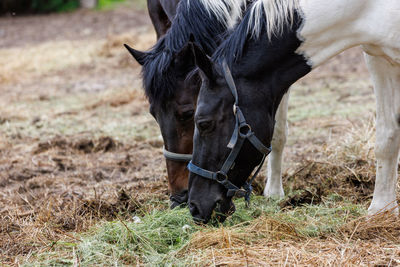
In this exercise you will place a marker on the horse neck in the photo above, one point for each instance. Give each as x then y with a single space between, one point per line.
268 66
330 27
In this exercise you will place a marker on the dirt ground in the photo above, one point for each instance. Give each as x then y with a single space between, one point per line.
77 144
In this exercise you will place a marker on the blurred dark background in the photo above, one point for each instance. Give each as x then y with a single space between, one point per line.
15 7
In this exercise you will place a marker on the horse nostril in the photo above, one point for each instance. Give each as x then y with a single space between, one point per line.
193 209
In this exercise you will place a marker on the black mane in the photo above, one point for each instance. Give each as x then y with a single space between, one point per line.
191 19
232 48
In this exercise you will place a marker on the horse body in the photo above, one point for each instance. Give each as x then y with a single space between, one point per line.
376 26
277 43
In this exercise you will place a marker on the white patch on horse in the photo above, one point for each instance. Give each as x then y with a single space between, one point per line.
386 80
278 13
330 27
274 187
228 11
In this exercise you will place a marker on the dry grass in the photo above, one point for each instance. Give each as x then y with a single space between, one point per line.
346 169
39 60
363 242
64 187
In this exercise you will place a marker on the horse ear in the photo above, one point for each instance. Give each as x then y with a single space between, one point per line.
184 58
138 55
202 60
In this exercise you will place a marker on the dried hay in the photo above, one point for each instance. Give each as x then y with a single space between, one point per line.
313 252
123 97
87 145
347 171
220 239
382 227
241 235
41 59
362 242
68 184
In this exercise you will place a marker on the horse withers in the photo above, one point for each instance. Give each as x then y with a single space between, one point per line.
277 43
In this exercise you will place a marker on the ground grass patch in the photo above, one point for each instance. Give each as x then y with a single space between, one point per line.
163 237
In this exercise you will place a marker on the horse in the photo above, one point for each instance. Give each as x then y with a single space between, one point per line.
276 43
170 85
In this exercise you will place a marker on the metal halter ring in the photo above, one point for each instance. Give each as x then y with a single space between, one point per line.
245 130
221 176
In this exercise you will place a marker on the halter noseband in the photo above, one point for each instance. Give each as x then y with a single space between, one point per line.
241 132
177 156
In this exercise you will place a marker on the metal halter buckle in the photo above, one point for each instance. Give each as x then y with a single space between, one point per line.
221 176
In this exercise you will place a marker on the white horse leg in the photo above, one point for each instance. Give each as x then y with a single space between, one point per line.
386 80
274 186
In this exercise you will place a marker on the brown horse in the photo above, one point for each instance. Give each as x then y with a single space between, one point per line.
162 13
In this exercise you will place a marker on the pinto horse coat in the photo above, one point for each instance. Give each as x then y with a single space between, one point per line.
277 43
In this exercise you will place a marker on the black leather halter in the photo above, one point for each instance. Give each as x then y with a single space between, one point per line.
241 132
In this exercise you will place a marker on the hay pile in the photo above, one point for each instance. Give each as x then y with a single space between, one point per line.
346 170
265 242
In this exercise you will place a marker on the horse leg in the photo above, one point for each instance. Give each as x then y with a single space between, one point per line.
386 80
274 186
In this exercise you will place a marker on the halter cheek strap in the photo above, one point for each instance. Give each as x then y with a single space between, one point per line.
241 132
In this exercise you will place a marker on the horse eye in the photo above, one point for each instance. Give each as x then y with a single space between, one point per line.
205 125
187 115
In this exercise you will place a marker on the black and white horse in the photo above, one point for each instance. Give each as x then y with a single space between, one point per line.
277 43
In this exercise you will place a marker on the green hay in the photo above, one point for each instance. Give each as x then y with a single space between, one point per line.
160 238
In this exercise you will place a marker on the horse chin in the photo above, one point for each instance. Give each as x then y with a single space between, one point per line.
179 199
224 209
219 213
